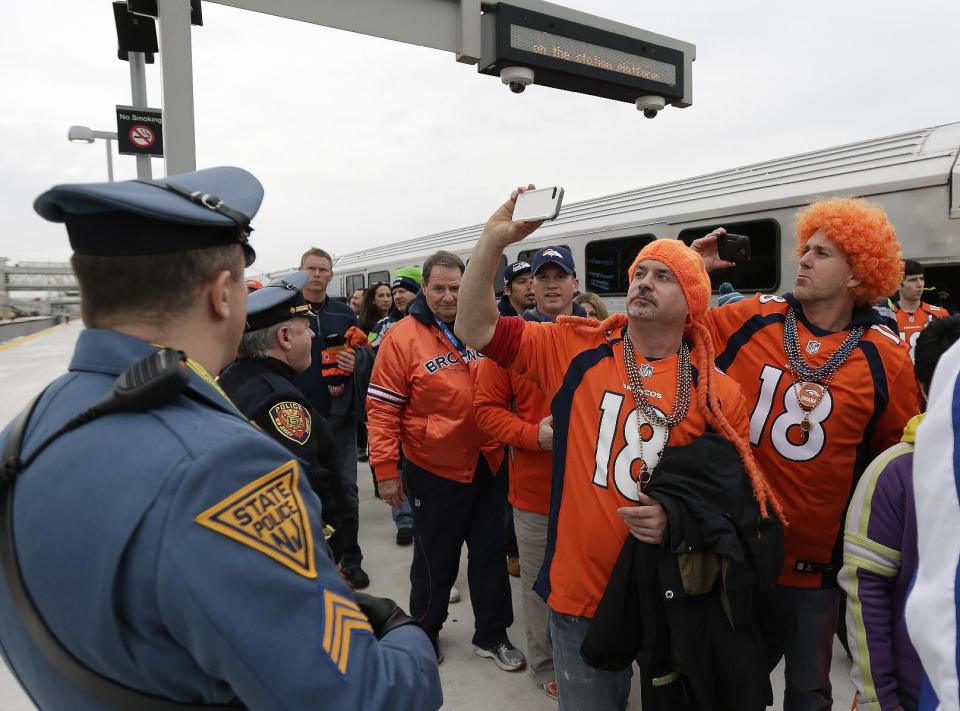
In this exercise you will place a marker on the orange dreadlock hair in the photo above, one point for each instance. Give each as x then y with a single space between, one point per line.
683 264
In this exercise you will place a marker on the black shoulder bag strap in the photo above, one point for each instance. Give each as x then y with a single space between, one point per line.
90 682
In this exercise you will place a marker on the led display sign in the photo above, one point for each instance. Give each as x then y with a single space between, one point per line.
575 57
527 39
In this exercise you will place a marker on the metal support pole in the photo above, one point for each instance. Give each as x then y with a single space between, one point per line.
176 56
138 91
109 144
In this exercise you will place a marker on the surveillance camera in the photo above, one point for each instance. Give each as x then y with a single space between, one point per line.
651 105
517 78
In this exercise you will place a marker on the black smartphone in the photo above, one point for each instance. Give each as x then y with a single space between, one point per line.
734 248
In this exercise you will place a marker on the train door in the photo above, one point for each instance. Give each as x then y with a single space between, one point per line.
350 283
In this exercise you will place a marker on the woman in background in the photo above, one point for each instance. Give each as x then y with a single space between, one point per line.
593 305
376 305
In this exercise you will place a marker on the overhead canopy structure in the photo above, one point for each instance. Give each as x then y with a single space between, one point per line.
550 44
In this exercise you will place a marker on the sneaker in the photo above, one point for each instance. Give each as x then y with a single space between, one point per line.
513 565
550 689
356 578
454 594
404 536
505 655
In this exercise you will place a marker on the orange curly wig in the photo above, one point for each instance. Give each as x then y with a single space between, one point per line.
864 234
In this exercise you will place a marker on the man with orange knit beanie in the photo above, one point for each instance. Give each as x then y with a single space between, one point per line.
622 391
828 388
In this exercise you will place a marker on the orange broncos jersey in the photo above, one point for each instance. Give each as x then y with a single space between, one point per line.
911 325
596 448
862 413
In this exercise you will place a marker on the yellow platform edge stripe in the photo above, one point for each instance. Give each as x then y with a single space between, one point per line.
29 337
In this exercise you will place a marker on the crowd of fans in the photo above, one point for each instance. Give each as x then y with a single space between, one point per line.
459 434
690 491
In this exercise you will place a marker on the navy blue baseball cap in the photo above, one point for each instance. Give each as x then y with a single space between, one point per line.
512 271
203 208
554 255
278 301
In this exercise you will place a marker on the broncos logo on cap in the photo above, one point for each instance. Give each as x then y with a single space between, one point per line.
551 253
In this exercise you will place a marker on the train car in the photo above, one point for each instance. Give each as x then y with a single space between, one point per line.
915 176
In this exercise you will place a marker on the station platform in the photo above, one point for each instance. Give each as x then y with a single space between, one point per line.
469 683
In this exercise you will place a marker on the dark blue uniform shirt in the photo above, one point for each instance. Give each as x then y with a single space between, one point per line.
179 552
332 317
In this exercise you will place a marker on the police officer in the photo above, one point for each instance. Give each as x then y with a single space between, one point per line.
274 348
174 553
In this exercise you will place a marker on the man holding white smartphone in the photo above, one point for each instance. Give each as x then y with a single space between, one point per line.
610 385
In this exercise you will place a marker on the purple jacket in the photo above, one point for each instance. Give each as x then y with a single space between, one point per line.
879 562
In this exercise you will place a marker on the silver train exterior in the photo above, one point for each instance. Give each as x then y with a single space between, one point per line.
915 176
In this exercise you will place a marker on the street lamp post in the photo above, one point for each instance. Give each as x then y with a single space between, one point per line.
85 134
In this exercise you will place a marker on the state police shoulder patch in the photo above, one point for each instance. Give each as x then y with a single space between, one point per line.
268 515
292 420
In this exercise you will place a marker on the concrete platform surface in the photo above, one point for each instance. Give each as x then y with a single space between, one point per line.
469 683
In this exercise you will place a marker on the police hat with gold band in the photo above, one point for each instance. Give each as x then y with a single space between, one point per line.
278 301
204 208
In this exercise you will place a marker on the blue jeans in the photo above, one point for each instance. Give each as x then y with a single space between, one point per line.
402 515
583 688
807 660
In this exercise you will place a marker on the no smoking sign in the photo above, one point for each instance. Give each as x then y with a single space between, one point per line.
141 136
139 131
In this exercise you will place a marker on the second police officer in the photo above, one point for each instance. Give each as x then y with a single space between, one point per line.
275 347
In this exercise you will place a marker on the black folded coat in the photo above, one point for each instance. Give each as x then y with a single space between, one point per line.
700 613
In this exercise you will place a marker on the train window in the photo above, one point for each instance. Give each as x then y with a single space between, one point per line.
498 279
527 254
374 277
352 282
608 261
762 272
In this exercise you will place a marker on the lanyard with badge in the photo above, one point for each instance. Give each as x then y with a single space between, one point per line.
454 341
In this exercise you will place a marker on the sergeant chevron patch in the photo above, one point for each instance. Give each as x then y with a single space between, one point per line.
292 421
268 515
341 618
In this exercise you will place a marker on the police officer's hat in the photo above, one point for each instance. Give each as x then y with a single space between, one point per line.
278 301
204 208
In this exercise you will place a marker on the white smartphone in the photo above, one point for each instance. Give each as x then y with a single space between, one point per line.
536 205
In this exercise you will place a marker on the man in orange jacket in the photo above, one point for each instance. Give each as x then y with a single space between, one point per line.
421 398
513 410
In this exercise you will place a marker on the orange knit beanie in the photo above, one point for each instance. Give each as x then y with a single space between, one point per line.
688 267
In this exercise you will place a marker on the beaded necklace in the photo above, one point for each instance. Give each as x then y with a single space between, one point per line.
681 403
810 384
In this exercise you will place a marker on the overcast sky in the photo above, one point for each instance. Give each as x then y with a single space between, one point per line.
361 141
